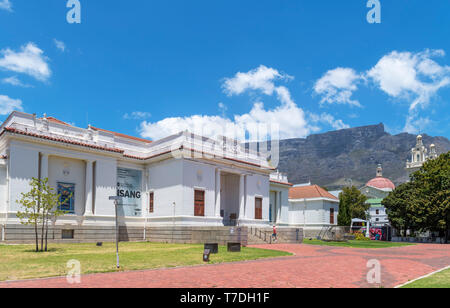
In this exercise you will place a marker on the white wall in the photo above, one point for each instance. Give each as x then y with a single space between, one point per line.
76 175
105 186
198 176
257 186
24 165
3 189
317 212
165 180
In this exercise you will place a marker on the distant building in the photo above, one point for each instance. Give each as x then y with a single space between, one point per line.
420 155
376 190
312 208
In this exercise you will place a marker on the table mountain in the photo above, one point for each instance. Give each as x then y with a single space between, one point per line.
331 159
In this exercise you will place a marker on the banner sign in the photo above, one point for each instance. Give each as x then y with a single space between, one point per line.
129 185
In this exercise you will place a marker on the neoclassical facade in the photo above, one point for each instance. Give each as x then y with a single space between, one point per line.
181 180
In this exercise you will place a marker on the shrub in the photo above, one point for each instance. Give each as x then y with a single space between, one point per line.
361 237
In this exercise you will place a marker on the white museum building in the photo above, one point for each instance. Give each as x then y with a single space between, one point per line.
183 180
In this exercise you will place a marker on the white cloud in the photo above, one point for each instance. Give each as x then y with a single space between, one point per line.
60 45
7 105
287 119
29 60
6 5
14 81
337 86
261 78
411 76
137 115
326 118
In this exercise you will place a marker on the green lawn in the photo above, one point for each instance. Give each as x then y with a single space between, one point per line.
357 244
21 262
439 280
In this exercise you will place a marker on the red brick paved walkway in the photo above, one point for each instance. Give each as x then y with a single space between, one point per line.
312 266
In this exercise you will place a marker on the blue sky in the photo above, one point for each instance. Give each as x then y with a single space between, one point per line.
152 67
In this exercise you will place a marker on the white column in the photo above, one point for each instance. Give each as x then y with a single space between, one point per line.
279 206
241 197
89 177
218 186
44 166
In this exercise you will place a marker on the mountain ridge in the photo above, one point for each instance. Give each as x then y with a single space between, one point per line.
334 158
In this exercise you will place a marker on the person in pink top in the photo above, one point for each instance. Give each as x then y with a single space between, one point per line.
274 234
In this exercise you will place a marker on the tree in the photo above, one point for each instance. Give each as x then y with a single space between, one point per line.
399 205
40 205
432 202
352 204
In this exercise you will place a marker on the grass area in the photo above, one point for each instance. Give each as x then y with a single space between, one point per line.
21 262
357 244
438 280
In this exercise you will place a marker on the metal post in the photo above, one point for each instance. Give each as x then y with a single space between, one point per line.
116 205
117 235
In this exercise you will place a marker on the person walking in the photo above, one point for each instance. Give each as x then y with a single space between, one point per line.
274 234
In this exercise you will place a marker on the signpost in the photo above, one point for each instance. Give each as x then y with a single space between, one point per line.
116 203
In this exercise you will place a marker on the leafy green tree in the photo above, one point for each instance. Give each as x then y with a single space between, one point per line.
432 204
399 205
352 204
40 205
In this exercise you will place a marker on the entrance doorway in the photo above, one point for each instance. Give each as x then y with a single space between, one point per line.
229 198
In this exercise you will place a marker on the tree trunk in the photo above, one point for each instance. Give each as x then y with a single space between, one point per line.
37 235
43 230
46 232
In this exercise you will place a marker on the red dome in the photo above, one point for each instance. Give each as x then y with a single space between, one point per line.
381 183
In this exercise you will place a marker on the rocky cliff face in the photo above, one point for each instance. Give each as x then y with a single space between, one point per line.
332 158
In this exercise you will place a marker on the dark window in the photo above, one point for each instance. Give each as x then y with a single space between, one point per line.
151 204
332 216
199 203
258 208
67 234
378 212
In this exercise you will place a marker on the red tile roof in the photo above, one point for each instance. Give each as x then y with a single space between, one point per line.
19 132
281 183
309 192
55 120
122 135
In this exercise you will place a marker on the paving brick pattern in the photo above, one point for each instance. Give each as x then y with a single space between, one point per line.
311 266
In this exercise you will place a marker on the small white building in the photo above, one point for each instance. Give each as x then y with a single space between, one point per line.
312 208
182 180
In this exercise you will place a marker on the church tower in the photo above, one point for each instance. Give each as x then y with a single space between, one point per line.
419 155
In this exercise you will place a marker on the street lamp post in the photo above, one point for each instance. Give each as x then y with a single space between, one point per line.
116 203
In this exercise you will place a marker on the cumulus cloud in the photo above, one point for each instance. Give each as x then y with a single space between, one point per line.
326 118
6 5
337 86
287 120
14 81
28 60
137 115
60 45
415 77
7 105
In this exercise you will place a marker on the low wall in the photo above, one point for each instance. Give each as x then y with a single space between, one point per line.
20 234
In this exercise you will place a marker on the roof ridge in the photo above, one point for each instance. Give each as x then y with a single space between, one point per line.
122 135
